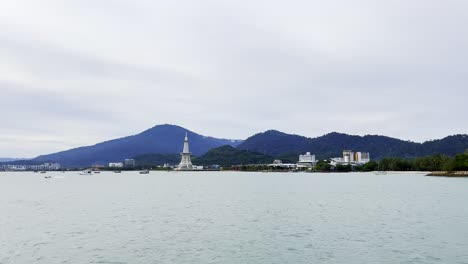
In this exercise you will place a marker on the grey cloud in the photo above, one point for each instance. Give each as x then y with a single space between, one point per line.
230 69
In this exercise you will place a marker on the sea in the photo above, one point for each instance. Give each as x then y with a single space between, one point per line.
232 217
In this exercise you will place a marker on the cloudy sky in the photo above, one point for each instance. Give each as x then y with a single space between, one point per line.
74 73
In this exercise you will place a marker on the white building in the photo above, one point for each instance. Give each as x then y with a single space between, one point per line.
348 156
362 157
116 165
306 160
279 164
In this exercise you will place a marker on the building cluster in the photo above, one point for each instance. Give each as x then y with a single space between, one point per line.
308 161
127 163
351 158
48 166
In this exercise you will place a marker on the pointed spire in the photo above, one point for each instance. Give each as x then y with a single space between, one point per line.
186 144
185 162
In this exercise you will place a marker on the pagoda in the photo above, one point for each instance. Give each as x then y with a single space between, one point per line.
185 161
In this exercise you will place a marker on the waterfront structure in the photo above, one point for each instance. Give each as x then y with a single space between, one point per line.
306 160
185 156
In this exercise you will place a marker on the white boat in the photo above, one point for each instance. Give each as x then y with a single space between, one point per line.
86 172
144 172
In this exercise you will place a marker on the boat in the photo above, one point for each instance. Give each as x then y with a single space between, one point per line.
97 172
48 177
85 172
43 172
117 171
144 172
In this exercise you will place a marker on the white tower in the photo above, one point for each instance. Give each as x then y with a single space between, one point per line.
185 161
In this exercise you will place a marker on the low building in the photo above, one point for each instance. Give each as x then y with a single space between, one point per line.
279 164
116 165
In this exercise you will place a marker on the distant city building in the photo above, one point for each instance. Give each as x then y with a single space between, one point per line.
306 160
48 166
361 157
348 156
116 165
351 158
277 162
129 163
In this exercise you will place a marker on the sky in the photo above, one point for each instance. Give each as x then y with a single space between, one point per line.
75 73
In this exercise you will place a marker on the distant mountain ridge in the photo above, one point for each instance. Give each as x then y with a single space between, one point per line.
165 140
276 143
161 139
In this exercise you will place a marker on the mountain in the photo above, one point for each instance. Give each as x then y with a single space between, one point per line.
278 144
161 139
228 155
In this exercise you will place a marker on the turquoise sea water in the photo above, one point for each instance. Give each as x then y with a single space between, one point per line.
229 217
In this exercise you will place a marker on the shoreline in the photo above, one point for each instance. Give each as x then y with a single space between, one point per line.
448 174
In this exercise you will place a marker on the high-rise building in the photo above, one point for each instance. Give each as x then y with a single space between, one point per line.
362 157
348 156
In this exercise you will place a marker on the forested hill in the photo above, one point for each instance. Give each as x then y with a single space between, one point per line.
276 143
228 155
161 139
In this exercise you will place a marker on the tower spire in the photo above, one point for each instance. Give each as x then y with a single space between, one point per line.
185 161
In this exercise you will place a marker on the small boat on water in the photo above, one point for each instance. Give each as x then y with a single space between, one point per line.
86 172
117 171
97 172
43 172
144 172
47 176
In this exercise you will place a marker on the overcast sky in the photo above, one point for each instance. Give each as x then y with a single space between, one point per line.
75 73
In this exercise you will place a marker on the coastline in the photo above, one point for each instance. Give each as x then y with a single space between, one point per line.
449 173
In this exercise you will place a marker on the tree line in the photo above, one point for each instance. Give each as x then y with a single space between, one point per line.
437 162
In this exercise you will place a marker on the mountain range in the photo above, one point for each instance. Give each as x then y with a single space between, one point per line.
276 143
157 142
161 139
